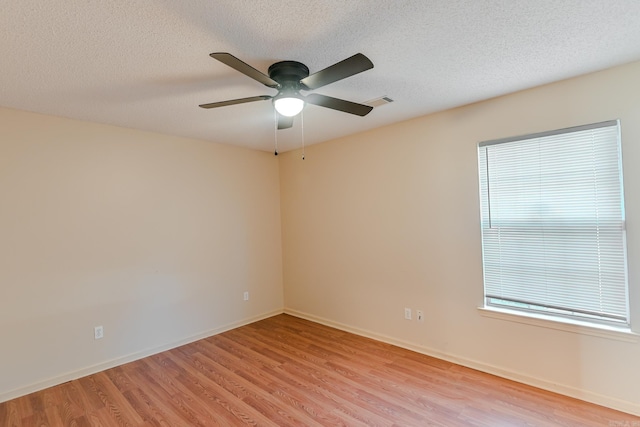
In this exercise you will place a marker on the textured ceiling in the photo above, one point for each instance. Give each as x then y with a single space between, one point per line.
145 64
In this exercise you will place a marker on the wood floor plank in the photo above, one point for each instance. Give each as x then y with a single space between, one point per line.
173 397
11 415
4 416
286 371
256 390
113 400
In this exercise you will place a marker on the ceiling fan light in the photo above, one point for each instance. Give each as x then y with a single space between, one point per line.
288 106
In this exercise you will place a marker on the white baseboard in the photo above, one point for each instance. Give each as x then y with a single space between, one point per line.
59 379
598 399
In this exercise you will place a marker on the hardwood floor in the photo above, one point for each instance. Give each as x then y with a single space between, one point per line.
285 371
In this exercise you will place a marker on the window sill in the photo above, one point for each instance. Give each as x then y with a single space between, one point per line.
576 327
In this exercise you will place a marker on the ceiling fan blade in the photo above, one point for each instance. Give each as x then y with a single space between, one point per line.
235 101
244 68
338 104
341 70
284 122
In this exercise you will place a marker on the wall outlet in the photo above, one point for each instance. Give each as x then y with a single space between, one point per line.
407 313
420 315
98 332
246 295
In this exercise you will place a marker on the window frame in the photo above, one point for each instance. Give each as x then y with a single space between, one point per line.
565 317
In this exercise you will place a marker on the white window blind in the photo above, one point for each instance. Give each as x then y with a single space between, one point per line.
553 227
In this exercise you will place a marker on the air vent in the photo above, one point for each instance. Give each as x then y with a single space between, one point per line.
377 102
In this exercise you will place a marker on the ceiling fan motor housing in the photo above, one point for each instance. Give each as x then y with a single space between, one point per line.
289 74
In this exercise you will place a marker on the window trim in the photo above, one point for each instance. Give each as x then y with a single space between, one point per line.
550 133
622 333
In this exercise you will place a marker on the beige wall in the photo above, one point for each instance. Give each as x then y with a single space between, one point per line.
389 219
154 237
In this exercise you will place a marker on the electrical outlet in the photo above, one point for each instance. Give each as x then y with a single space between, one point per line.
407 313
98 332
246 295
420 315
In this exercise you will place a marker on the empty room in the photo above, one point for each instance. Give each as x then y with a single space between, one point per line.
320 213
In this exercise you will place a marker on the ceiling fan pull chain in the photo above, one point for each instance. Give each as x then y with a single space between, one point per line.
302 127
275 130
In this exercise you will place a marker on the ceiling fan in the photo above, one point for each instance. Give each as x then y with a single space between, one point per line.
291 77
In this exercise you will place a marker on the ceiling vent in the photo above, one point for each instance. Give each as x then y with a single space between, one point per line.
377 102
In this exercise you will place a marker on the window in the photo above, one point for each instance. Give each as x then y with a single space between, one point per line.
553 226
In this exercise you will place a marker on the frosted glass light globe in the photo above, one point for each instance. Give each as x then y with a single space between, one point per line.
288 106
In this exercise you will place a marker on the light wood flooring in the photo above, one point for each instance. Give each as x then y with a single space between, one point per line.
285 371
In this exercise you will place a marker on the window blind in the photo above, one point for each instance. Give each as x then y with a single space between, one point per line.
553 227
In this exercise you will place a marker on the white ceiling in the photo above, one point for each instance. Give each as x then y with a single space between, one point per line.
145 64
